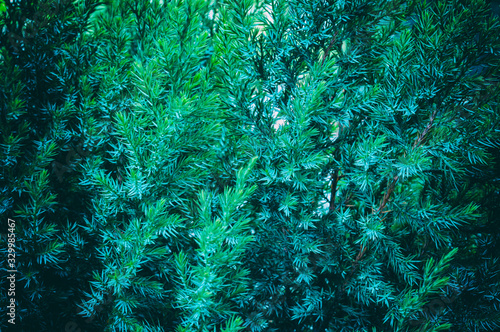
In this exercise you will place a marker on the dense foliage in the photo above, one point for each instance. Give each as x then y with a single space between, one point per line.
254 165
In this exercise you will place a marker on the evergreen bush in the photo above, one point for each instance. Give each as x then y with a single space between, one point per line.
253 165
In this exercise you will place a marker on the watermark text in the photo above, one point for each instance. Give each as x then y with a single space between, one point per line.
11 270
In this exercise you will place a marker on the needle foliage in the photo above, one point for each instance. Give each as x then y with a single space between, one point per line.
253 165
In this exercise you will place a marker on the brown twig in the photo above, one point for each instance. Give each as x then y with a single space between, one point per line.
390 190
333 193
421 138
362 248
355 264
329 47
